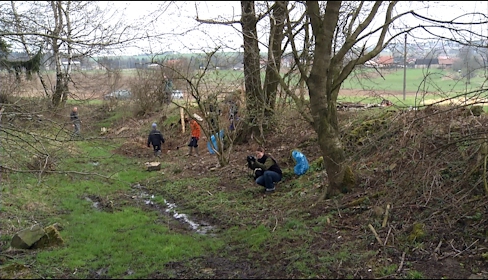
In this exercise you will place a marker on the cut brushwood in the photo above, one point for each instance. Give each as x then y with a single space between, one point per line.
375 234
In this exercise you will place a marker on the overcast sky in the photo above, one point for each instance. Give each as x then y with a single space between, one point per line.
178 17
181 32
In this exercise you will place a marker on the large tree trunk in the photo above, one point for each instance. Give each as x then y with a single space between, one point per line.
67 70
323 98
60 85
324 115
272 77
252 75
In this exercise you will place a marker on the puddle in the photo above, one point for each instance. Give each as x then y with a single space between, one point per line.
166 209
144 195
95 204
170 209
199 228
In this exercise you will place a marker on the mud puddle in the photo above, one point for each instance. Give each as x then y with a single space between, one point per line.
169 208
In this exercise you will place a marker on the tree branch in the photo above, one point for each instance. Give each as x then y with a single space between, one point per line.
52 171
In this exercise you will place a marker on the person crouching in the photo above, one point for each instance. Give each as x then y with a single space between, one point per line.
267 171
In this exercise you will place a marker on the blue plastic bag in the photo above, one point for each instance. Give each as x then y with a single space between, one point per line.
301 166
212 144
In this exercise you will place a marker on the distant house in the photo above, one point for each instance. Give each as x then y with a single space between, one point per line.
174 63
411 61
75 65
385 61
426 63
380 62
371 63
446 62
238 66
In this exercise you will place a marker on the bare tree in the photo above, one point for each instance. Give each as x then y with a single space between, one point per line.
69 31
338 29
260 97
216 104
65 31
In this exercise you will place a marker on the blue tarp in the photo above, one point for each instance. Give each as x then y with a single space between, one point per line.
213 142
301 166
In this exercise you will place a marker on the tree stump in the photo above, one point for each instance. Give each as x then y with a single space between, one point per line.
153 166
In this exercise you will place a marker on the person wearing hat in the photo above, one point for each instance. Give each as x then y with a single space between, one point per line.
156 139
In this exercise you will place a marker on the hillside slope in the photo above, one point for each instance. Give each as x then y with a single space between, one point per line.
419 209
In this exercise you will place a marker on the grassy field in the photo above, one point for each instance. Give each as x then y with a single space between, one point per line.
391 80
417 80
89 190
439 81
423 86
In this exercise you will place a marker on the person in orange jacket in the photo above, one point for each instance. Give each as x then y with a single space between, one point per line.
195 136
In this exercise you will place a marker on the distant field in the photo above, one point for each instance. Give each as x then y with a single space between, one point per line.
391 80
423 86
417 80
365 85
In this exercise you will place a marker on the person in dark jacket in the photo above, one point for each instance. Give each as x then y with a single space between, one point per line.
156 139
267 171
76 121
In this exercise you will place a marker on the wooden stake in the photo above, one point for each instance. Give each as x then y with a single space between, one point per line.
385 219
182 116
484 176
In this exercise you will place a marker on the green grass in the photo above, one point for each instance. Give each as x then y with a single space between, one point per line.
73 102
387 270
98 240
343 255
253 238
413 274
124 111
429 84
128 239
417 80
